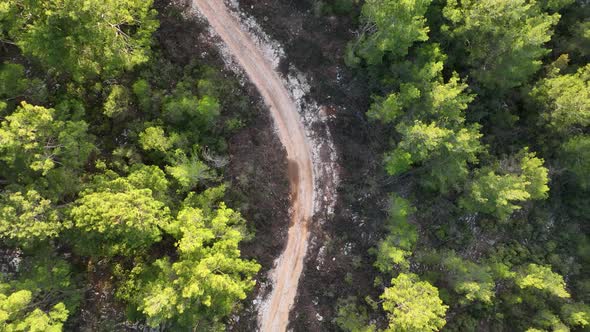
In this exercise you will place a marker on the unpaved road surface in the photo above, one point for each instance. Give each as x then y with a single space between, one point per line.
274 312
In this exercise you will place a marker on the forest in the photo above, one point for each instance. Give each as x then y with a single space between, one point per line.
143 186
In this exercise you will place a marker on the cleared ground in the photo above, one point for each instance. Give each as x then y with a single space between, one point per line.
274 315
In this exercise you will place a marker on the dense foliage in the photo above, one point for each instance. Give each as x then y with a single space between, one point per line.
110 164
485 104
112 157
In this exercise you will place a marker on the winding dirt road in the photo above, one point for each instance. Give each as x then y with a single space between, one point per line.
274 312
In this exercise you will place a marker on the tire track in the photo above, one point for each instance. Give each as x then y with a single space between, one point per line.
274 313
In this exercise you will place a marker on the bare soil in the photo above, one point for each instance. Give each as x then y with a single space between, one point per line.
338 263
274 311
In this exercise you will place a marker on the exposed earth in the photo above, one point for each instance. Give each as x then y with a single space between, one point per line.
274 312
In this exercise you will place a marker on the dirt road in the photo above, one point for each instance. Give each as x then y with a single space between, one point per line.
274 313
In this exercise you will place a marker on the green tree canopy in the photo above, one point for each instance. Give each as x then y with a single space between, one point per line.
498 195
17 313
154 138
437 101
391 26
501 41
15 86
83 37
143 92
576 158
27 217
542 278
576 314
413 305
188 171
401 238
352 317
565 99
40 297
444 153
117 103
206 281
33 138
189 108
548 321
554 5
474 282
12 80
495 194
121 216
